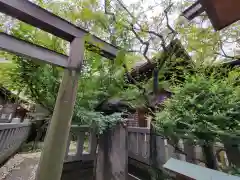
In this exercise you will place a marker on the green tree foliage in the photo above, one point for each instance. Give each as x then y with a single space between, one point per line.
203 107
100 78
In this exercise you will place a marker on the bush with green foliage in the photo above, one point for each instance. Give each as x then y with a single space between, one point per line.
203 107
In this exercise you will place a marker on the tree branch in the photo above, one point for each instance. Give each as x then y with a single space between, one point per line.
166 11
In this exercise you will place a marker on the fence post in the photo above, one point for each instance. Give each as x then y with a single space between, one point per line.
112 160
209 155
52 158
153 148
233 153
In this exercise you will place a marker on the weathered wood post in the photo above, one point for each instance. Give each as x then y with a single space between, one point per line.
52 158
233 151
112 160
211 161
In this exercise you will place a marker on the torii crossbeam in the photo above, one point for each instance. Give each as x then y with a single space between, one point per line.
52 158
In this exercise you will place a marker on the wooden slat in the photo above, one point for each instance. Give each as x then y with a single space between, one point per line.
4 126
139 130
32 51
10 140
189 149
80 143
170 151
162 151
68 146
92 143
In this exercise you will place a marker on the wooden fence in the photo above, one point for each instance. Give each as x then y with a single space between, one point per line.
79 164
11 138
140 148
114 147
136 144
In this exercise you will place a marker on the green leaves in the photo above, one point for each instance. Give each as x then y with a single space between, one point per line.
97 119
203 105
120 59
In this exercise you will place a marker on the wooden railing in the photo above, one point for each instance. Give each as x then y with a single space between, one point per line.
139 149
139 146
11 138
114 154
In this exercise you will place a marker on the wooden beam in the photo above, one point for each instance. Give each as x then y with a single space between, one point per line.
193 11
52 158
32 51
30 13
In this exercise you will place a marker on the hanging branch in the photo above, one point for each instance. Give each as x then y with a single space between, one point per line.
135 28
129 76
166 11
145 43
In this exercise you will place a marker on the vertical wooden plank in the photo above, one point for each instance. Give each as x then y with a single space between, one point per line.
52 158
181 155
147 136
199 154
175 147
112 160
2 133
233 151
80 143
132 143
5 139
141 144
153 148
161 151
143 147
190 151
14 136
92 143
170 151
68 145
10 139
211 161
135 143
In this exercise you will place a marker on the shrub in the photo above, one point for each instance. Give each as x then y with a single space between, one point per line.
203 107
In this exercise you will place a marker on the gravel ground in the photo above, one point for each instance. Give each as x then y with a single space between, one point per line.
20 167
23 166
10 165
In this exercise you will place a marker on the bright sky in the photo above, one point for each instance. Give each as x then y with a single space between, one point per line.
147 3
158 9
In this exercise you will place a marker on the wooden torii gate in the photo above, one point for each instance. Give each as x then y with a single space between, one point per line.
52 158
